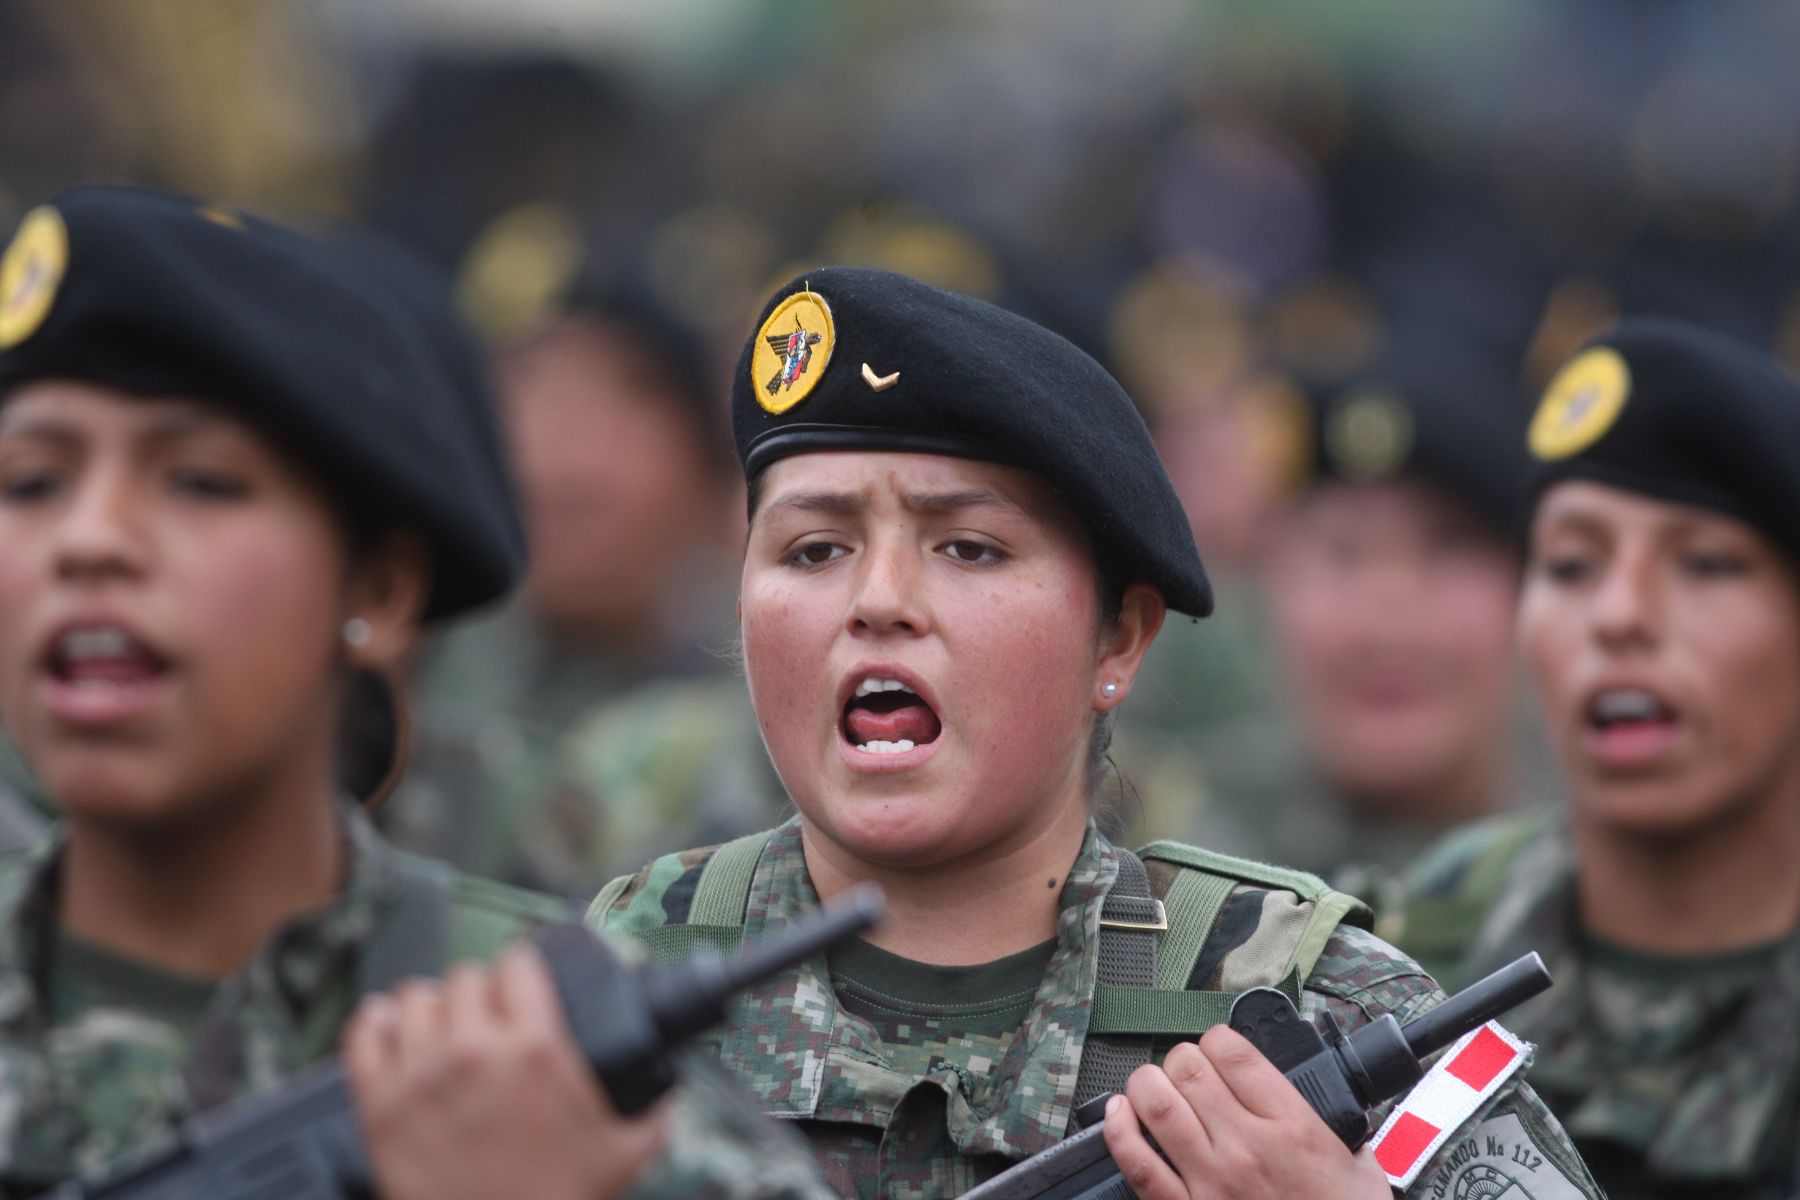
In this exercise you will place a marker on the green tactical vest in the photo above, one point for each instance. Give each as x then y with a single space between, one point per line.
1188 886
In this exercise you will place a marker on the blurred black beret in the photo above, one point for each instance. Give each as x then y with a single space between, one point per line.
1678 413
854 359
157 294
1449 419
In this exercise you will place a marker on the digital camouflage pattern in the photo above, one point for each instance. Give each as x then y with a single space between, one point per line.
83 1091
877 1130
1668 1091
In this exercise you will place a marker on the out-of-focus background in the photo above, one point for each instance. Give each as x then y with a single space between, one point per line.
1333 250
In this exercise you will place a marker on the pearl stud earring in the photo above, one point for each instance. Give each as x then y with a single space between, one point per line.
357 632
1109 690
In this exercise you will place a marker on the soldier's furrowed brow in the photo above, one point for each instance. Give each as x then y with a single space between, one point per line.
959 501
831 503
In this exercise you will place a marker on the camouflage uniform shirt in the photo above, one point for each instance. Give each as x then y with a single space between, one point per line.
1679 1081
880 1126
87 1081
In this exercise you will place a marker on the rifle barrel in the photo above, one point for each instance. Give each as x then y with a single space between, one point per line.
1476 1005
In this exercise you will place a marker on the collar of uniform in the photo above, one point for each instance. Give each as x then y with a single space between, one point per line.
1708 1115
305 950
301 981
796 1014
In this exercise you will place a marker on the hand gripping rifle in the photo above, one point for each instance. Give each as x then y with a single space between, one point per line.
302 1141
1342 1076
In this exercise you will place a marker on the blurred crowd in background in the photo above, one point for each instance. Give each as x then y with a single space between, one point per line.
1333 250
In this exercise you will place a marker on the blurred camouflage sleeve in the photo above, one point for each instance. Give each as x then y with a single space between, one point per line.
660 894
1511 1142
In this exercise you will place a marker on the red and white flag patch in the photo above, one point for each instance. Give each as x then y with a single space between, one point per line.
1469 1072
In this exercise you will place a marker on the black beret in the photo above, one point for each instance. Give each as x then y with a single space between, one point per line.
1678 413
853 359
157 294
1447 419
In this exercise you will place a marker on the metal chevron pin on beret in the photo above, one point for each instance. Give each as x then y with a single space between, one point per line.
879 383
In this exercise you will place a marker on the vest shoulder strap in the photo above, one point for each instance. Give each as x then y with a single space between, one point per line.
723 891
413 938
716 913
1192 901
1302 883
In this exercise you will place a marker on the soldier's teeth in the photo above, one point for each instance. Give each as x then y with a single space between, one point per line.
83 644
881 747
872 685
1627 704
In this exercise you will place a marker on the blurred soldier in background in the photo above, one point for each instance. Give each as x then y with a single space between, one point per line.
1221 419
616 439
1390 577
1660 619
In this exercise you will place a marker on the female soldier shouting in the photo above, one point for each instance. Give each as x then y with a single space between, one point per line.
961 544
1661 624
235 472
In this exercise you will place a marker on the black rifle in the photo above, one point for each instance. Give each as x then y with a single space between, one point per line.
1341 1076
302 1141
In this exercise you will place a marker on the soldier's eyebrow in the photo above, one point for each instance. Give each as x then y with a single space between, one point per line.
847 503
1578 522
832 503
41 427
957 501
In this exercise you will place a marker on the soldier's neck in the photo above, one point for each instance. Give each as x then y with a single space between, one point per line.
1728 886
968 911
202 898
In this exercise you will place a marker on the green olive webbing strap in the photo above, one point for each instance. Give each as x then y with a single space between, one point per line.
1192 905
716 915
411 936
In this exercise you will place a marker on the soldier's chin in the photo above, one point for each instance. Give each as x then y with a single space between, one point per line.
897 832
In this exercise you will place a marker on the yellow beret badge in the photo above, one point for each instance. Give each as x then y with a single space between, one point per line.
1581 404
1369 435
30 273
791 351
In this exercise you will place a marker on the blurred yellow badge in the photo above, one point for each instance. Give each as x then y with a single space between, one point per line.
791 351
1580 404
1368 436
30 273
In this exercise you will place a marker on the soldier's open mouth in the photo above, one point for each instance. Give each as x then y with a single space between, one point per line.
101 655
1628 707
885 717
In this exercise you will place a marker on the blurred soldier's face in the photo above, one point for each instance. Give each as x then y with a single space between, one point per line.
172 597
1665 641
924 650
1394 615
617 491
1217 461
